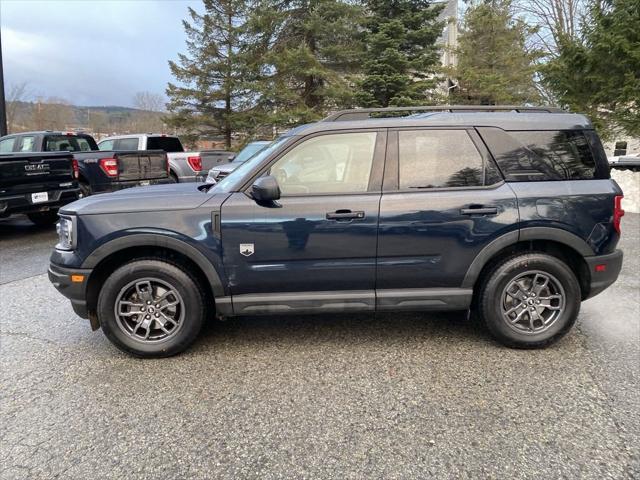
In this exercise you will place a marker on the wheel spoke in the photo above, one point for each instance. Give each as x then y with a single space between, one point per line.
518 316
144 290
533 316
169 304
165 295
519 293
546 302
538 287
168 319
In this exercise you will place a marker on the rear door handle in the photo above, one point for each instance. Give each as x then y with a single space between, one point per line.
479 211
345 215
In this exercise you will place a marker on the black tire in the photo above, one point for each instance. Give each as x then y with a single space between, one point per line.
190 293
85 189
492 298
44 219
173 177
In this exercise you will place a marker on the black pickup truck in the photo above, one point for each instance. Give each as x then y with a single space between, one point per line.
99 171
37 184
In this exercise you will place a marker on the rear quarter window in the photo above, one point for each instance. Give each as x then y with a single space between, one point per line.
544 155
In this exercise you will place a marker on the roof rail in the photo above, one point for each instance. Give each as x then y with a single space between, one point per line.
365 113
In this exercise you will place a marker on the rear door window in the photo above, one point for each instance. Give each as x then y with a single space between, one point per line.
126 144
27 144
106 145
441 159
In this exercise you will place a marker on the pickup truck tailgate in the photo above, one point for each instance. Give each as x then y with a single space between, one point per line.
145 166
21 173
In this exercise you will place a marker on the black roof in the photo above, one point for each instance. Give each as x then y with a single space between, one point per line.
506 118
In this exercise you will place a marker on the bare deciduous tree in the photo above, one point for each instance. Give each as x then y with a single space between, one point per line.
152 102
17 94
556 20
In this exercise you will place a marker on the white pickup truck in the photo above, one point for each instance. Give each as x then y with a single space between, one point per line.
183 166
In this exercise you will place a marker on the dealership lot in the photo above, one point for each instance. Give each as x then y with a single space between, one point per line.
340 396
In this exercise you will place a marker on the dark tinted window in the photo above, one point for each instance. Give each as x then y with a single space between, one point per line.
441 158
168 144
546 155
559 155
69 143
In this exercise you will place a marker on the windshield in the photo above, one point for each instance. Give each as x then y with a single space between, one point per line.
250 150
228 183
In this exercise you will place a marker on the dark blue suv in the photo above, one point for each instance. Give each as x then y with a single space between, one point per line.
507 211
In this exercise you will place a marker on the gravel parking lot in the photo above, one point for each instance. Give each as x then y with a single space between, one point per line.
352 396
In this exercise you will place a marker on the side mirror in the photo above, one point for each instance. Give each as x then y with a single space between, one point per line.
231 158
265 189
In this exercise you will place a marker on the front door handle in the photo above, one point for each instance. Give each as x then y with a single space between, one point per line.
479 210
344 215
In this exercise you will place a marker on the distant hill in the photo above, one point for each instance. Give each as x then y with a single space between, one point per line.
109 119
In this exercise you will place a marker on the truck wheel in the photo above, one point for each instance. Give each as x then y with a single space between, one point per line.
85 189
173 177
529 300
151 308
44 219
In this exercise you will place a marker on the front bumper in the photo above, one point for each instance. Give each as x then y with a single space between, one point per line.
604 271
22 203
76 291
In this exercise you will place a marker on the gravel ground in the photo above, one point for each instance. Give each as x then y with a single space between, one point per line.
351 396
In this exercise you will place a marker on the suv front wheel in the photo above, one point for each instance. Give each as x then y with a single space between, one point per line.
530 300
151 308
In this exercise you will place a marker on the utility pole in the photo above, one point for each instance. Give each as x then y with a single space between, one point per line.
3 105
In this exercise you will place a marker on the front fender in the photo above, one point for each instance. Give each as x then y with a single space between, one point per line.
159 239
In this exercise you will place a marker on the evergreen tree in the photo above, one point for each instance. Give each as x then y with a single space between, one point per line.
494 64
401 54
211 95
302 52
599 73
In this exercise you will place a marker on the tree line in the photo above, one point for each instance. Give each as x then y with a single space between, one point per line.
254 67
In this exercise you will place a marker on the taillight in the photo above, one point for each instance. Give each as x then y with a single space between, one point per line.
109 166
195 163
618 212
76 169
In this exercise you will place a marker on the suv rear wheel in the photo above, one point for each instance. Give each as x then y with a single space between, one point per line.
151 308
530 300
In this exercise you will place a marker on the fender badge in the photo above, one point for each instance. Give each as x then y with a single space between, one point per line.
246 249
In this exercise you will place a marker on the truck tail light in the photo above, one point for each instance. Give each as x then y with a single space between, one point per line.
195 163
618 213
109 166
76 168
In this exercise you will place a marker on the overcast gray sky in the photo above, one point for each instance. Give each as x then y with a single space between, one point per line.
92 52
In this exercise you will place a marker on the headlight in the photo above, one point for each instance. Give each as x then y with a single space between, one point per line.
67 234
